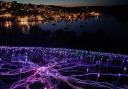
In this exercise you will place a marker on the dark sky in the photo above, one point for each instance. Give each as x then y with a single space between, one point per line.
74 2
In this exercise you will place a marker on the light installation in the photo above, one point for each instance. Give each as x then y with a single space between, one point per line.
60 68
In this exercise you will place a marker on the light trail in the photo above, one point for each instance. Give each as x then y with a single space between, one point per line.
52 68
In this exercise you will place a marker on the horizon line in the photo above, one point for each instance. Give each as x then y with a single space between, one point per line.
67 5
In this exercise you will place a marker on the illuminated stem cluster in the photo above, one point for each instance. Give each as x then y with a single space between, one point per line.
51 67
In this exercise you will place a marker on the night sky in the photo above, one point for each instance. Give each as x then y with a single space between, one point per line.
74 2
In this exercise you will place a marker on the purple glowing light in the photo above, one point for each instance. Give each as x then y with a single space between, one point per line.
51 67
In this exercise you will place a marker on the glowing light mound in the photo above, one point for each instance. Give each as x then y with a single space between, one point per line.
59 68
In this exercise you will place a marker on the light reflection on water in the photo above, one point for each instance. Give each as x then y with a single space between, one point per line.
24 23
111 26
24 26
8 24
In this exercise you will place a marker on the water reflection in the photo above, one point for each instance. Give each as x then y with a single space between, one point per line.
24 23
23 26
8 24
